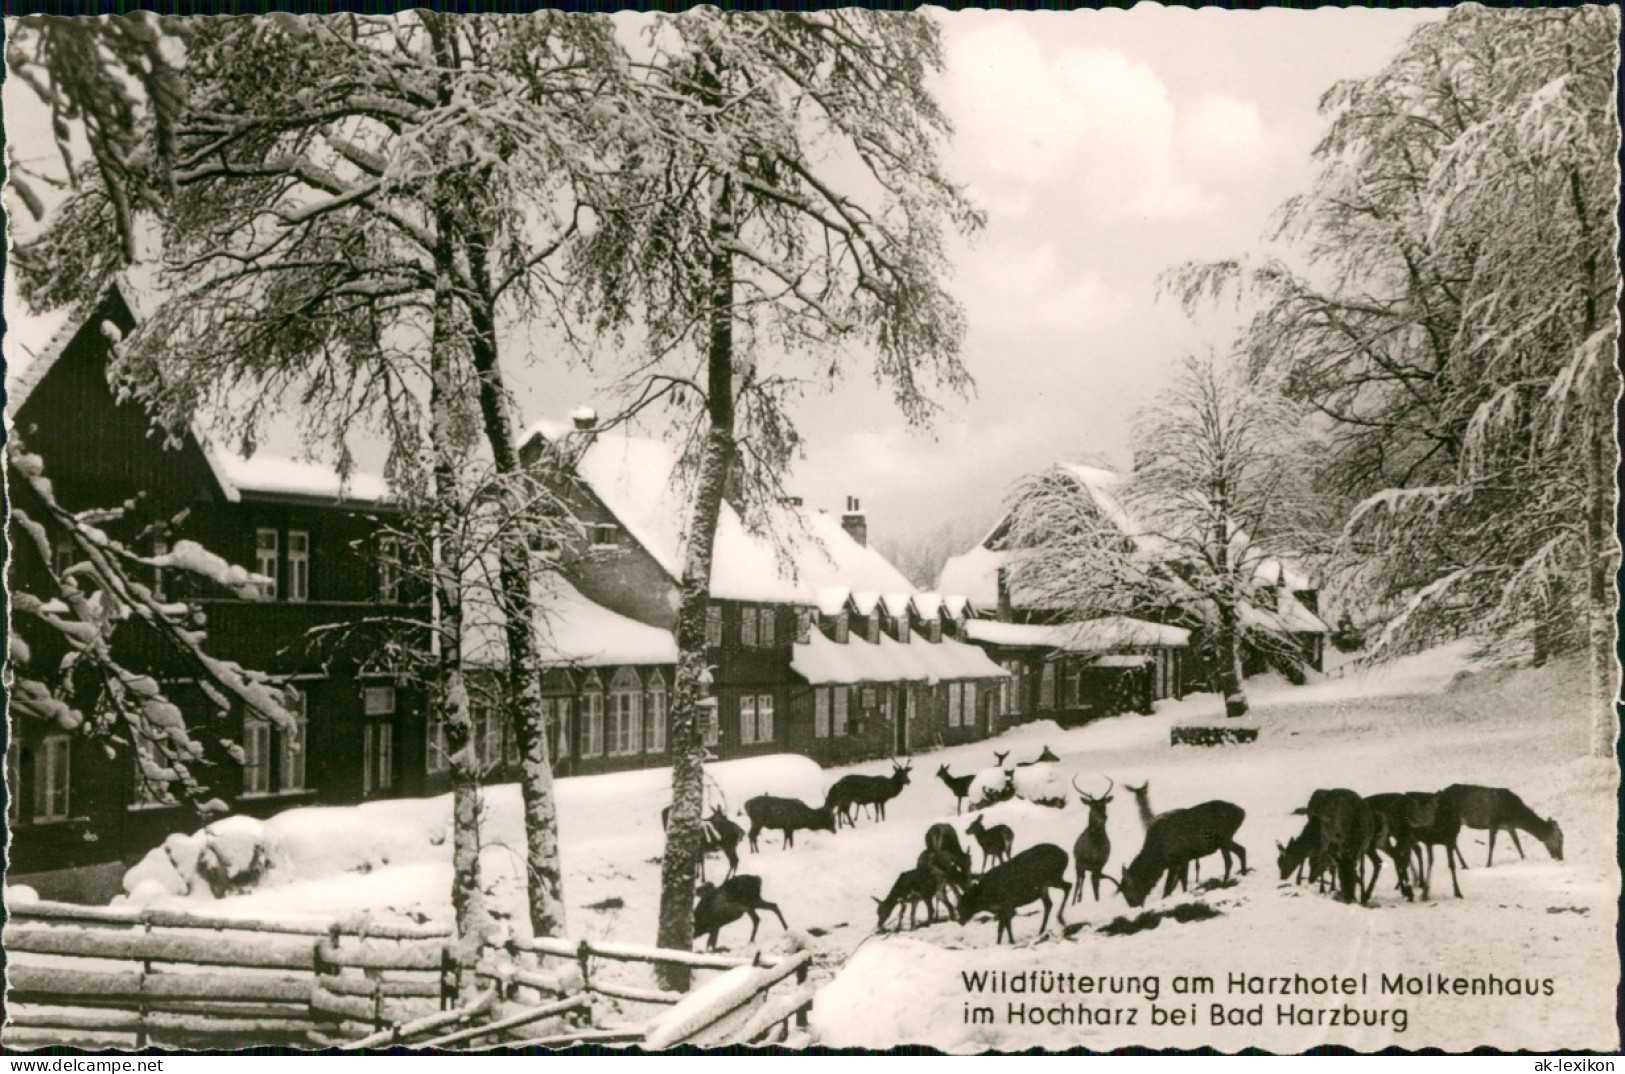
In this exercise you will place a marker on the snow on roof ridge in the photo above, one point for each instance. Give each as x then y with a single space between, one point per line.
279 474
34 370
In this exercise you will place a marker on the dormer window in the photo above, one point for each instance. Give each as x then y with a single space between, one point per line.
902 629
935 630
603 536
804 620
841 629
874 626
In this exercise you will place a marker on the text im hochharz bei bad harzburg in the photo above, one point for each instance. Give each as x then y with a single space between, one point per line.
1060 997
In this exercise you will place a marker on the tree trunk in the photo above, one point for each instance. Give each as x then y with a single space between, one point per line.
543 866
680 865
1602 560
450 693
1230 663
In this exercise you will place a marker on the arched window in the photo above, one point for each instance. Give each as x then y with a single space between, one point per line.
654 715
625 714
592 717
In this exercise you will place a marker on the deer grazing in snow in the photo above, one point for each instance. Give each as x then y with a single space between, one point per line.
996 842
916 887
1498 809
958 785
785 815
876 791
1178 838
738 896
944 854
1142 803
1094 846
1350 833
1025 878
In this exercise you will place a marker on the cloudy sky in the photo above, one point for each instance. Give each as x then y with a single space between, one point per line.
1105 147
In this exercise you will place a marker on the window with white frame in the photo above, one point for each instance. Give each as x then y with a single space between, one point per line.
654 716
488 733
159 548
1046 686
378 701
821 712
625 714
14 780
377 756
764 717
755 719
63 554
603 535
293 743
298 565
592 718
710 722
713 627
389 570
841 722
935 630
53 778
902 628
874 625
149 791
256 756
747 628
842 629
437 750
804 624
556 711
267 561
1010 691
764 627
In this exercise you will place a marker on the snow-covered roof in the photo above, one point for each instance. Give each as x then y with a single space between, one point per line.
34 343
275 475
573 631
928 605
1122 660
1291 616
832 600
1275 570
975 574
635 477
1102 635
819 661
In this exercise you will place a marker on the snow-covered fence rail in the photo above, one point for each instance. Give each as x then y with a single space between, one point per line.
193 979
733 1008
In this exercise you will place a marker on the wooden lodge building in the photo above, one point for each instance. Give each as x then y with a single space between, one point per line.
1074 671
826 651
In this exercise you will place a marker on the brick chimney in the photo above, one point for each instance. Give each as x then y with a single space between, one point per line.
585 418
855 522
1006 610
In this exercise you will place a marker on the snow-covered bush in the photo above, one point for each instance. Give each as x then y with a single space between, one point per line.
990 786
1040 784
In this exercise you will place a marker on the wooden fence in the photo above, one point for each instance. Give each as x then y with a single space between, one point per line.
112 976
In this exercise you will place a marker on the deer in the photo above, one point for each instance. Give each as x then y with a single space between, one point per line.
944 852
738 896
1094 846
910 889
1436 823
1000 758
1402 814
1046 757
786 815
1142 802
718 834
996 842
1025 878
1177 838
873 791
958 785
1498 809
1350 832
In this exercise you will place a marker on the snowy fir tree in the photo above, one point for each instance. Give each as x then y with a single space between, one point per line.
780 204
1454 320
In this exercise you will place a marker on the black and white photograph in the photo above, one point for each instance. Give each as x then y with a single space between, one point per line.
834 529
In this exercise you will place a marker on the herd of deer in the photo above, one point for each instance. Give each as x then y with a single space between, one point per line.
1343 832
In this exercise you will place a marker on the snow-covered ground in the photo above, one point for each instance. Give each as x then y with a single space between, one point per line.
1418 725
